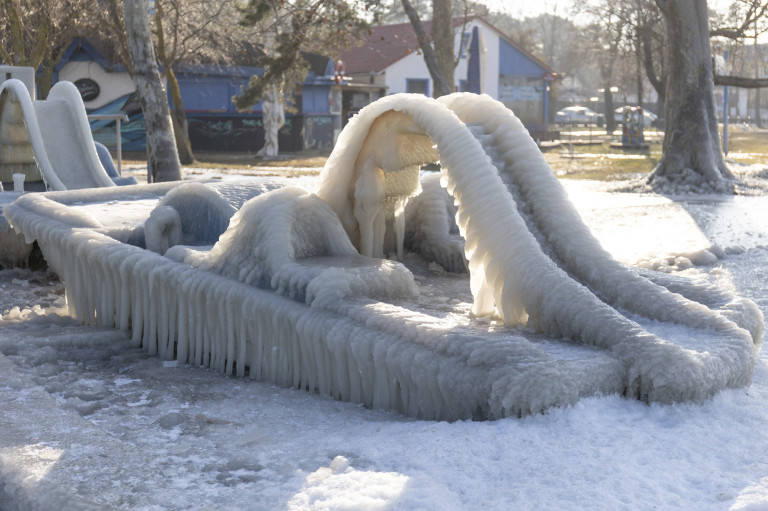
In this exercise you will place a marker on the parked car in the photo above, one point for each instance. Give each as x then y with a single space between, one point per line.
575 115
648 117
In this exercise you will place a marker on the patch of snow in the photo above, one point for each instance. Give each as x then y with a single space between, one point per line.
211 441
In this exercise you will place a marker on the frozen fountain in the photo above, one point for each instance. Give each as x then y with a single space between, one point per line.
288 286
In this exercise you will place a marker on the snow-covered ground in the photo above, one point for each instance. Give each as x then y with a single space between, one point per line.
88 422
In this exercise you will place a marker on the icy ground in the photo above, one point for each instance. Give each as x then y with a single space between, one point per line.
87 422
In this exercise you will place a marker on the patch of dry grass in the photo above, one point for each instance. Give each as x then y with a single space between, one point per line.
600 160
748 146
573 158
601 167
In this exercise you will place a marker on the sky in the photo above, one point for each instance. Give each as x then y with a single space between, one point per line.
526 8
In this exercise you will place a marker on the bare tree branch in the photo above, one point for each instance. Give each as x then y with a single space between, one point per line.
442 87
739 81
756 10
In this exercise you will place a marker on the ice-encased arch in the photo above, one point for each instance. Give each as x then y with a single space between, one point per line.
386 353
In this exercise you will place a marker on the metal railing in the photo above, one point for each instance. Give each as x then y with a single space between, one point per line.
118 136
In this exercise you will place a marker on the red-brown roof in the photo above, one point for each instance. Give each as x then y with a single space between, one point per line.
386 44
380 48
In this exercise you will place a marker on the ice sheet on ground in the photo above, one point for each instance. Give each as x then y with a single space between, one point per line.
194 445
690 224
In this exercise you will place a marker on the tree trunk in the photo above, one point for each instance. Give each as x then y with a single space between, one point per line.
610 120
658 82
756 56
179 116
442 37
162 157
442 86
44 80
639 70
186 156
692 158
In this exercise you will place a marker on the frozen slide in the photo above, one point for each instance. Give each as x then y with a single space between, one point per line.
48 140
532 261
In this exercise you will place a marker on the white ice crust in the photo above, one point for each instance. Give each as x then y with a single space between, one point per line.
192 214
430 226
271 244
285 292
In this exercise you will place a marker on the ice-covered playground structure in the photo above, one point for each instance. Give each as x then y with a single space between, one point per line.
46 145
48 140
290 286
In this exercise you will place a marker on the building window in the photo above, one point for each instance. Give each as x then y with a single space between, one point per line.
417 86
465 40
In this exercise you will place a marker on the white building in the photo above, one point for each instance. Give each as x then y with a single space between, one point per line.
390 61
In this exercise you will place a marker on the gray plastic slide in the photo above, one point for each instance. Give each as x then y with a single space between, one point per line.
48 139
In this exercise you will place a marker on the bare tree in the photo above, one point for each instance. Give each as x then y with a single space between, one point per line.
438 50
193 32
608 36
36 33
649 29
443 84
443 38
692 157
743 15
744 20
186 32
162 156
645 37
167 59
392 11
756 56
294 27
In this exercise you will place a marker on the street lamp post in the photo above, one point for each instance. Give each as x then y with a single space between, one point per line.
725 120
593 101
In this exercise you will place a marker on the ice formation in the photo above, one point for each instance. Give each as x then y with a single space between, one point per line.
286 293
430 226
191 214
48 140
291 241
16 250
372 173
